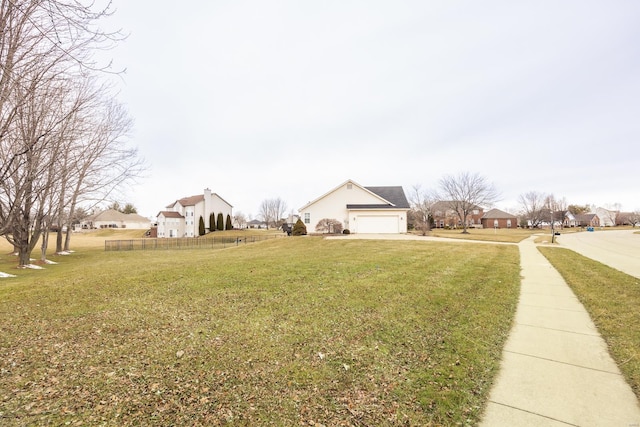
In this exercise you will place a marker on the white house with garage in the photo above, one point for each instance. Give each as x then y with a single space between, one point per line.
360 209
182 217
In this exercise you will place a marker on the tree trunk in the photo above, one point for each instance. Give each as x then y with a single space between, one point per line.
67 238
45 244
24 257
59 237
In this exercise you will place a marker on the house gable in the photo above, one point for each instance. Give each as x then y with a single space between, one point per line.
350 201
606 217
351 191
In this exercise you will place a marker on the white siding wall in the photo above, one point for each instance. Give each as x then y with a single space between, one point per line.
607 217
189 226
334 206
170 227
217 205
191 221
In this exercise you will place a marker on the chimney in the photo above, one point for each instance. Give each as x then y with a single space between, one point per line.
207 207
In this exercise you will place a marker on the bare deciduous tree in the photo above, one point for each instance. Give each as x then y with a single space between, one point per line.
272 211
422 208
633 218
239 220
30 190
465 193
45 55
556 210
102 160
533 207
578 209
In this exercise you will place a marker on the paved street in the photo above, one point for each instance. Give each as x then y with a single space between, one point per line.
619 249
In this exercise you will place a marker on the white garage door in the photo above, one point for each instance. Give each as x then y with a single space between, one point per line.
378 224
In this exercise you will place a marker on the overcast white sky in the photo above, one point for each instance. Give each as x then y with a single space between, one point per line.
266 99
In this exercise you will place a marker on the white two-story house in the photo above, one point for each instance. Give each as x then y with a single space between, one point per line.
182 217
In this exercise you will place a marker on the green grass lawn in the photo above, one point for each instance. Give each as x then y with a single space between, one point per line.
507 235
612 299
294 331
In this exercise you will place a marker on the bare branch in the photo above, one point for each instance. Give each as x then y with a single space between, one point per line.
466 192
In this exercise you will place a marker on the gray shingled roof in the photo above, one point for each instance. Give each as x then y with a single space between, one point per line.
394 194
370 206
585 217
497 214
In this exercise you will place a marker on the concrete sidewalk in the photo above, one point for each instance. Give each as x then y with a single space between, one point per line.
556 369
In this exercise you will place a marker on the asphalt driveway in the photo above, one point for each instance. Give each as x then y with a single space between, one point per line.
619 249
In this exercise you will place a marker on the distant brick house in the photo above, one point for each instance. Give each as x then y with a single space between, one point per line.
587 220
445 217
495 218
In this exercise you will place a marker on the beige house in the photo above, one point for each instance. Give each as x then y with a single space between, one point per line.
112 218
182 217
360 209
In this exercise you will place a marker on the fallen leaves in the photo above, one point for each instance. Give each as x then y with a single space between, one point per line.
212 344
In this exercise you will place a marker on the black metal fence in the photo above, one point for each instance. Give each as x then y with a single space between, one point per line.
185 243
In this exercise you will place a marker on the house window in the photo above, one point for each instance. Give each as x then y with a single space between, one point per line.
495 223
307 218
508 223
